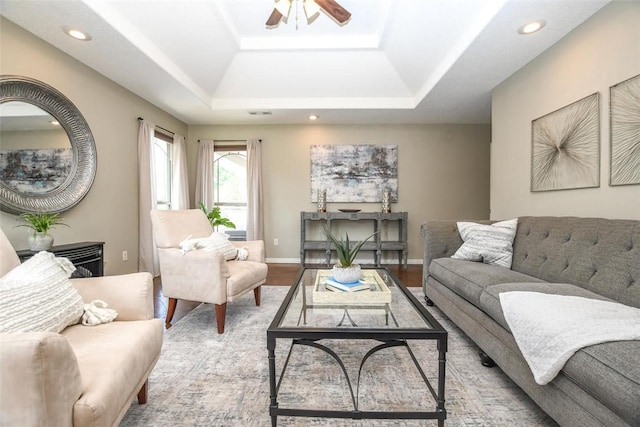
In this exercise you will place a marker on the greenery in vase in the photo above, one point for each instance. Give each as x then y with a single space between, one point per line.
346 253
41 222
215 218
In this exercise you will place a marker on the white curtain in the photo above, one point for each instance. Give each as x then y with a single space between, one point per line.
204 174
147 252
179 178
255 212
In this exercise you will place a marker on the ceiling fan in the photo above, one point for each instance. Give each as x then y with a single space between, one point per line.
312 9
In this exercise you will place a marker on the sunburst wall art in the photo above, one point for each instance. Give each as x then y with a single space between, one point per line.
565 150
625 132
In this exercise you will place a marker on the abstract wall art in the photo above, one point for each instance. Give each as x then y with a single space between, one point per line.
624 119
565 150
354 173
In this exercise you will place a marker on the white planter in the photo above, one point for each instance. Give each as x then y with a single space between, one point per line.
40 242
349 274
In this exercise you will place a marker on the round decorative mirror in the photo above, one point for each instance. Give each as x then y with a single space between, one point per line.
47 155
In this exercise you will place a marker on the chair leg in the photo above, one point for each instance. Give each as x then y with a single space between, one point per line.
142 394
221 311
256 294
170 311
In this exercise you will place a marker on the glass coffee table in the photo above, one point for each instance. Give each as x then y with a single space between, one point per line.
386 315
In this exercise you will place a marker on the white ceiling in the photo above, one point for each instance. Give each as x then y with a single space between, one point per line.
396 61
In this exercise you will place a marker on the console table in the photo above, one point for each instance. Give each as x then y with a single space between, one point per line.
376 220
86 256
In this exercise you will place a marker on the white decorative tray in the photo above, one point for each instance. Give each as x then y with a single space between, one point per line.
378 292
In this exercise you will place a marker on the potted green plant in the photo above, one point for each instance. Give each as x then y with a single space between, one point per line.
346 271
215 217
41 223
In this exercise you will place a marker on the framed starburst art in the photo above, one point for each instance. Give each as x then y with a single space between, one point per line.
565 151
625 132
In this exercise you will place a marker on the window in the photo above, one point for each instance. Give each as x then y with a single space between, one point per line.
162 157
230 187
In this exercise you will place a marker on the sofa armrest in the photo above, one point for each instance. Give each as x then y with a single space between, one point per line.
255 248
39 379
131 295
194 276
441 239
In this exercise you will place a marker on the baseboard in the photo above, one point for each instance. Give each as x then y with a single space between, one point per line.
321 261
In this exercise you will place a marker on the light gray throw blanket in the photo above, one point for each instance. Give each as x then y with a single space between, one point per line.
549 329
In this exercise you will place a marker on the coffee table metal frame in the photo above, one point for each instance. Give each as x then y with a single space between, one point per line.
398 336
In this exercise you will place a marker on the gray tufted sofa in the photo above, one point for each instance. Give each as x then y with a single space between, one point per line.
588 257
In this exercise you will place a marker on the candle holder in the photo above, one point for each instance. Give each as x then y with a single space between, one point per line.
322 200
386 201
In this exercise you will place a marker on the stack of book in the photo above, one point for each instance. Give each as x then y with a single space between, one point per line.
333 285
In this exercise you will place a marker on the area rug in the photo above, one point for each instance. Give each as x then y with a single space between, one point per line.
206 379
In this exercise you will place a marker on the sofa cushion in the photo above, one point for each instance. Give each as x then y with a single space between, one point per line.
468 279
243 273
37 296
608 371
491 244
112 358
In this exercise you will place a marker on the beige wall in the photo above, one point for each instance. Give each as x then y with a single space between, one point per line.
443 173
109 212
444 169
602 52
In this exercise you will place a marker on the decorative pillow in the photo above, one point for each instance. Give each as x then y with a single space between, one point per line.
38 296
218 242
491 244
243 254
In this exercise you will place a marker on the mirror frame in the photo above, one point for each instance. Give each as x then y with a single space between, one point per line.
84 158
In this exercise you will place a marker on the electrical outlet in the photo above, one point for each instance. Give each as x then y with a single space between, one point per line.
125 255
275 242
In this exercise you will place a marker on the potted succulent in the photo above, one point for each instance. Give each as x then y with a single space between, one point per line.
41 223
215 218
346 271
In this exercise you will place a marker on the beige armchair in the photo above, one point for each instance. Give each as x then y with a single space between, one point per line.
201 275
84 375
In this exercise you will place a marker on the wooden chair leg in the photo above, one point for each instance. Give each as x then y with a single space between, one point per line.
170 312
256 294
221 311
142 394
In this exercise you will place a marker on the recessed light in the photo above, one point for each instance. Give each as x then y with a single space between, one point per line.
314 117
531 27
55 122
76 34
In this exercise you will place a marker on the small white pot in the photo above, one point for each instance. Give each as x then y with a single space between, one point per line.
40 242
350 274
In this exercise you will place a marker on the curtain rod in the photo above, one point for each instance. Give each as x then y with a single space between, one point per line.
230 140
159 127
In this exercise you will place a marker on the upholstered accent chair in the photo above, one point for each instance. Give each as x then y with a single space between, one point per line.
203 275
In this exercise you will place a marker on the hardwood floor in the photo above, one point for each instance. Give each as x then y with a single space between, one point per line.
279 275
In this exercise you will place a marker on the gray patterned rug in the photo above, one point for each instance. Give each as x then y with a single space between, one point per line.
206 379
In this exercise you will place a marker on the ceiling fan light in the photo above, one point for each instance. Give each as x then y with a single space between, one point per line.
284 6
311 10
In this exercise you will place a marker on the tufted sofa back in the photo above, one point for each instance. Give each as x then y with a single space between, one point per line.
600 255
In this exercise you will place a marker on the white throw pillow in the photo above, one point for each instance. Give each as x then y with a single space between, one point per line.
491 244
216 242
38 296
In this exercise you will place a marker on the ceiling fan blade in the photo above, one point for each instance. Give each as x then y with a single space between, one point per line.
274 19
333 9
